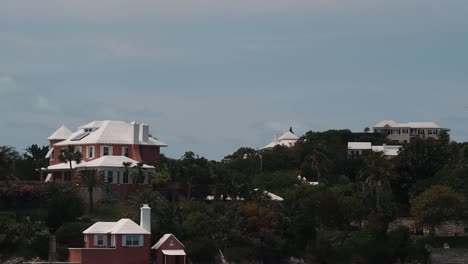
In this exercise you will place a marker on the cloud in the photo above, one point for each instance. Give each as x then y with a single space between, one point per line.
7 83
43 104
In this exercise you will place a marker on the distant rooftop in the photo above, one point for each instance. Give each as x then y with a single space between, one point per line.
105 132
392 123
123 226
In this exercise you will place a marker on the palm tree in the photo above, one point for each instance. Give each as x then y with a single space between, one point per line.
319 160
375 175
37 156
8 156
69 154
90 179
126 168
138 176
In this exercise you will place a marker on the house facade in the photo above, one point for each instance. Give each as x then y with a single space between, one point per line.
105 146
169 250
405 132
125 242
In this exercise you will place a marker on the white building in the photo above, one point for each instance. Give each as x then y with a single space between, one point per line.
404 132
356 149
288 139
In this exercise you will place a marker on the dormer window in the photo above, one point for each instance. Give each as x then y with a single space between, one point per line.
88 130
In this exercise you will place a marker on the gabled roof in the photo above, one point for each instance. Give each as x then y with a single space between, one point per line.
288 136
60 134
123 226
163 239
111 161
108 132
288 139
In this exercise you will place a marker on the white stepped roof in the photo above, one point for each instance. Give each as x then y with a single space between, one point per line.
109 132
60 134
394 124
288 139
288 136
174 252
105 161
111 161
123 226
163 239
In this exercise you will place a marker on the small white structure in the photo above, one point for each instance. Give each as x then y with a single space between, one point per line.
355 149
288 139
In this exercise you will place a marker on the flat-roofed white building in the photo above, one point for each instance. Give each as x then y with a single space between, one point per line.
356 149
404 132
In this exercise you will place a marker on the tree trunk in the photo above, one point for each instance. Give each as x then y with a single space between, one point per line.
71 171
91 200
52 248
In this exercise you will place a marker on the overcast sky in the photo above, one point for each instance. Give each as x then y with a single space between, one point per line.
214 75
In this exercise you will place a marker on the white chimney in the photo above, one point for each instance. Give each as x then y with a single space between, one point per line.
144 132
136 132
145 217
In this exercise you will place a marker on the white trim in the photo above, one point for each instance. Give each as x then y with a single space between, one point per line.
102 151
123 151
104 240
140 240
93 152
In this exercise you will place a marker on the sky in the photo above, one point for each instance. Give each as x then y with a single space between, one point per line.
211 76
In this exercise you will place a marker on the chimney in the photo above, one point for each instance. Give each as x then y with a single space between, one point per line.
144 132
136 132
145 217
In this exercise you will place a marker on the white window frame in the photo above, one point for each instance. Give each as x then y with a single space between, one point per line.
52 155
134 238
102 151
92 150
123 151
80 149
104 240
107 176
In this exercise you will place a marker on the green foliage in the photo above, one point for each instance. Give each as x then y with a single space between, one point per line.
276 182
437 205
8 158
62 206
20 234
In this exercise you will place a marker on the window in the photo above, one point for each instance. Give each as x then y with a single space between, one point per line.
132 240
88 130
100 240
106 151
52 155
125 151
405 131
90 152
110 176
125 177
79 149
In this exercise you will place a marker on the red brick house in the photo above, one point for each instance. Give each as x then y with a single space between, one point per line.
125 242
105 145
169 250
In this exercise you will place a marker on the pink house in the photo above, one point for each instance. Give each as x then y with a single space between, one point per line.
125 242
169 250
121 242
105 145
